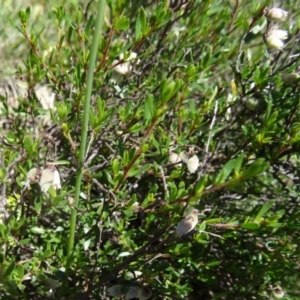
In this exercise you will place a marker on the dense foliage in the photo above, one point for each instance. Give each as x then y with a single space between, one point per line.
195 105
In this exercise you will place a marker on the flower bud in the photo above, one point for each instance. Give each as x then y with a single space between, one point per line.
291 78
174 158
276 15
193 163
188 223
251 103
275 39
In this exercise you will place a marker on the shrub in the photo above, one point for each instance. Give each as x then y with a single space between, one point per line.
194 105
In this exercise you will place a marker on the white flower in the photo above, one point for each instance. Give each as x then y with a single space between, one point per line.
133 274
56 181
275 39
188 223
291 78
174 158
193 163
278 292
33 176
45 96
49 177
276 15
183 156
125 67
281 34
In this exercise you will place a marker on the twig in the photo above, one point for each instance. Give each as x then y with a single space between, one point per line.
3 192
233 15
212 234
211 127
164 182
89 144
209 138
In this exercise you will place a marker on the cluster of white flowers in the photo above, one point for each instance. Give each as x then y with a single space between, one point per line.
275 37
275 40
45 177
192 162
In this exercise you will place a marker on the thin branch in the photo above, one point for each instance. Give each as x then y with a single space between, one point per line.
209 138
164 182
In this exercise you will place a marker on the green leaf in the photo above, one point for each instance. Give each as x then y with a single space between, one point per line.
202 226
28 144
128 109
2 174
214 221
143 19
251 226
138 29
225 172
169 88
149 107
214 94
121 23
38 207
206 59
60 162
37 230
268 112
136 128
20 271
115 166
264 209
9 269
238 164
256 168
273 118
141 27
11 288
24 241
1 258
109 178
200 185
138 170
